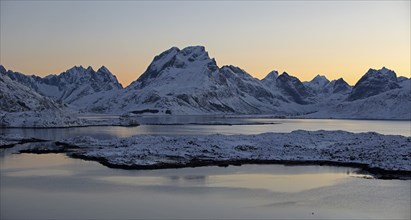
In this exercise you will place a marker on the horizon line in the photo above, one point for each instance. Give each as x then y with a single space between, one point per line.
278 72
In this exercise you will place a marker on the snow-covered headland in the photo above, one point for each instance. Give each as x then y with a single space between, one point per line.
385 156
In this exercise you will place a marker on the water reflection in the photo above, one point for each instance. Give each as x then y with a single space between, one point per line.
197 179
277 125
250 191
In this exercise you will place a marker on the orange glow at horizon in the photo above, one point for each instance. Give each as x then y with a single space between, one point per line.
335 39
128 70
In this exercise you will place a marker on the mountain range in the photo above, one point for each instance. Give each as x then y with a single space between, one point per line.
188 81
21 106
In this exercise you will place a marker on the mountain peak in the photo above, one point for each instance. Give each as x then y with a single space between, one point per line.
235 69
270 77
320 78
90 69
230 69
388 72
194 49
193 53
373 83
2 69
318 82
76 69
384 72
340 80
384 69
161 60
284 74
292 87
340 86
273 74
174 58
103 69
172 50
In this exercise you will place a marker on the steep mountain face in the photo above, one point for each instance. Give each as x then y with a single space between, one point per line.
270 79
29 81
293 88
15 97
71 85
317 84
189 81
338 86
373 83
244 84
191 62
392 104
320 85
79 82
165 60
21 106
2 69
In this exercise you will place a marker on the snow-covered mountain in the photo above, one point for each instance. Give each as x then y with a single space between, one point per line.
21 106
321 86
379 94
293 88
392 104
188 81
71 86
373 83
338 86
16 97
270 79
317 84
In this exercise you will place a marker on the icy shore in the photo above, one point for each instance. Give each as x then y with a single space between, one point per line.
9 141
373 152
57 119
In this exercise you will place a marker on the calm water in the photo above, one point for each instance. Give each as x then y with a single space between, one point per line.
55 187
248 127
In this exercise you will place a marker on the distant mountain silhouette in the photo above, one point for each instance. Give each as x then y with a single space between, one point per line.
188 81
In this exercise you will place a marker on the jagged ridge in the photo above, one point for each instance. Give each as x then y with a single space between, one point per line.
188 81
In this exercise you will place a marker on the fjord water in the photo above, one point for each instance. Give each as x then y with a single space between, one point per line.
53 186
203 125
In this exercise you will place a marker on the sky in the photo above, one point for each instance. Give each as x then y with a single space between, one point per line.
304 38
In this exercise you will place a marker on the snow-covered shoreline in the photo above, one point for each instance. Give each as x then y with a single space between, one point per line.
382 155
49 119
9 141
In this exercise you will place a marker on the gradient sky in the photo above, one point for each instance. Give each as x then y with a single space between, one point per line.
336 38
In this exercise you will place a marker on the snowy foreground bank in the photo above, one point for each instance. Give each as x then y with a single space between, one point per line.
373 152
